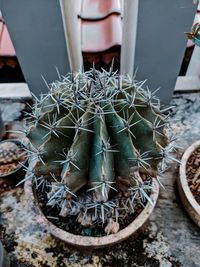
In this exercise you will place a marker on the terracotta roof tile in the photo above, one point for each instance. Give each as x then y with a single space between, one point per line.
98 36
6 46
99 9
101 32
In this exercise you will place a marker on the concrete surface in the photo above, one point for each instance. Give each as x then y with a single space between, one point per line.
171 239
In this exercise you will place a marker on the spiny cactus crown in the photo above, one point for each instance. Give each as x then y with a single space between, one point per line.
93 135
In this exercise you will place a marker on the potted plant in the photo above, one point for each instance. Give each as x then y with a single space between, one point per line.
96 140
189 181
194 35
189 178
13 159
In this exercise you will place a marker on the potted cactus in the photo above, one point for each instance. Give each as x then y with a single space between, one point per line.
12 161
96 141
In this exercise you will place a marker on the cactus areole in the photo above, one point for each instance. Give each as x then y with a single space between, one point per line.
97 139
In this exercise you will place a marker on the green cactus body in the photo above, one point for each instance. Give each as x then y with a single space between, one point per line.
101 172
75 169
39 134
53 147
145 136
47 105
57 100
93 134
121 141
154 119
153 115
149 146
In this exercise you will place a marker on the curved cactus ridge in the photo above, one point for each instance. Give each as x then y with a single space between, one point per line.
93 132
101 172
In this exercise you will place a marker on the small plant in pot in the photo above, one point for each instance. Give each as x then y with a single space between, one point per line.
189 178
194 35
96 140
189 181
13 158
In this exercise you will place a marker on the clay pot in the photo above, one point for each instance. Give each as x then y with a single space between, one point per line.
4 259
85 241
15 176
187 198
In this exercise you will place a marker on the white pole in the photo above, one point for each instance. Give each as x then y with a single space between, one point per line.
72 27
129 31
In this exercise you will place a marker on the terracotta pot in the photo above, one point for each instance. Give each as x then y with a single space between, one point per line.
4 259
187 198
91 242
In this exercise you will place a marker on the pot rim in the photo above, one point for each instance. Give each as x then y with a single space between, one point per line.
183 179
88 241
18 143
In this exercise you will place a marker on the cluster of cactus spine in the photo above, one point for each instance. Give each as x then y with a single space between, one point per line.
95 134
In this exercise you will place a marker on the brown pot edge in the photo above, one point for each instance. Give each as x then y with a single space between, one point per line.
92 242
187 198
